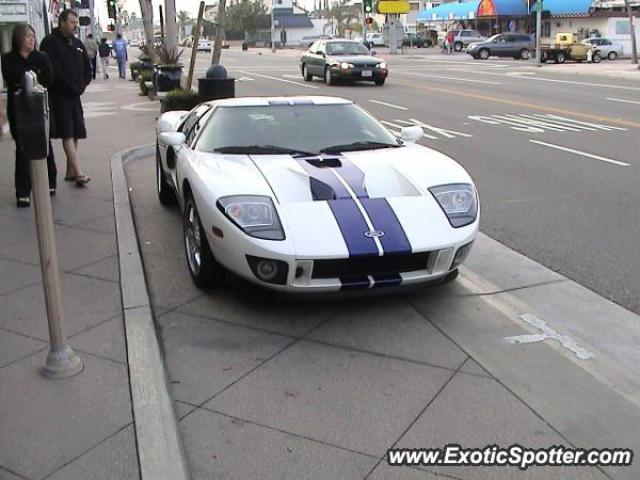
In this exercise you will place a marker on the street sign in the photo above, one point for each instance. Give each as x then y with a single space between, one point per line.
393 6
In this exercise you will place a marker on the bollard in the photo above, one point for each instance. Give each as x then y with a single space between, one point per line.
32 122
216 84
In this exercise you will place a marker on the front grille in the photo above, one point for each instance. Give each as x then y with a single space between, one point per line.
370 265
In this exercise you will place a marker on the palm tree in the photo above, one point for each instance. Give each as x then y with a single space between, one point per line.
146 7
183 19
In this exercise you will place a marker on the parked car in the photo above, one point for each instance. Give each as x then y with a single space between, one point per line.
342 59
312 194
203 45
411 39
606 47
462 38
375 39
516 45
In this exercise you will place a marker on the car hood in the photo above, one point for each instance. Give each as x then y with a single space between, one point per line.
407 171
355 59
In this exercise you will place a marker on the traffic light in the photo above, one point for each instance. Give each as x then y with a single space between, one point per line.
111 8
111 27
368 6
369 20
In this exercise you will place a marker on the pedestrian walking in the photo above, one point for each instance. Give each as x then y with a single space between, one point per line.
450 41
104 50
92 50
22 58
71 75
120 49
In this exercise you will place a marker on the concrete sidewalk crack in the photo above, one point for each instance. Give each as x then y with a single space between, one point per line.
513 289
12 472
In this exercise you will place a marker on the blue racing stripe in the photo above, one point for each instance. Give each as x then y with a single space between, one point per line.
351 283
323 183
384 218
389 280
353 226
354 177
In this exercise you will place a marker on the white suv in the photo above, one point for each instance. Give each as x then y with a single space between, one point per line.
462 38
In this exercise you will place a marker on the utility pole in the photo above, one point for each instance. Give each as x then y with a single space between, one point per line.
273 28
634 51
538 32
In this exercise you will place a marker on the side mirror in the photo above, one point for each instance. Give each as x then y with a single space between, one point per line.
172 139
411 134
495 41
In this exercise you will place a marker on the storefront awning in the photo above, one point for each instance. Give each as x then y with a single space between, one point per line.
565 7
450 11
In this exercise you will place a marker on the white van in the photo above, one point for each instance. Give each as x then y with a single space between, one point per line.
375 38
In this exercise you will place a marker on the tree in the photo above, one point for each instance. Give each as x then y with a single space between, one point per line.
183 20
634 52
170 28
146 7
343 15
247 16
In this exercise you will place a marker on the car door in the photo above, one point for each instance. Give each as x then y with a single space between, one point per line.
500 47
511 46
316 65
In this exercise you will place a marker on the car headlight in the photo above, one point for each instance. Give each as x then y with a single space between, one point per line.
254 215
382 65
459 202
346 66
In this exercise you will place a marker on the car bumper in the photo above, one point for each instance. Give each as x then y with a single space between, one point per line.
360 73
326 275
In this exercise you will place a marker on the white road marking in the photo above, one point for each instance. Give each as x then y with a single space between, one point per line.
635 102
391 105
98 109
583 154
538 123
548 333
517 74
147 106
455 79
300 84
440 131
245 79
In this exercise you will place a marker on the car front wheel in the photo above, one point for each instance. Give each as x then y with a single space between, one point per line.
560 57
328 78
204 269
612 56
484 53
524 54
458 46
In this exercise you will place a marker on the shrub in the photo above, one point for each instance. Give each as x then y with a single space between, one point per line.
179 99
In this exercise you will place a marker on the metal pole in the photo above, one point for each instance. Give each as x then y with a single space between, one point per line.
538 31
273 29
161 23
194 46
96 37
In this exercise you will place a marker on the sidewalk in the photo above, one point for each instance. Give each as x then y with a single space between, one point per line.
81 427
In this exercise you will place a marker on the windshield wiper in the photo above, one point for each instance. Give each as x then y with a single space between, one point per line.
263 150
358 146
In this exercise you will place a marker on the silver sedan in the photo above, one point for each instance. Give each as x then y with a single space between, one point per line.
606 47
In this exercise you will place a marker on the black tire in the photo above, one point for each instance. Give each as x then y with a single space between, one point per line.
560 57
543 57
458 46
203 267
484 53
596 57
166 195
305 73
379 82
328 78
449 277
525 54
612 56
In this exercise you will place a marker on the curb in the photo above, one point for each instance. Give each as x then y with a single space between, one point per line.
160 452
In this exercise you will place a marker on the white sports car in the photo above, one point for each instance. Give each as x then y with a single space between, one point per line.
312 194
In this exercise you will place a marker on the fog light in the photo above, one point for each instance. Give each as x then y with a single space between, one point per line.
268 270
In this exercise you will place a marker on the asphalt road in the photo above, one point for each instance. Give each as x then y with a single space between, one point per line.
554 156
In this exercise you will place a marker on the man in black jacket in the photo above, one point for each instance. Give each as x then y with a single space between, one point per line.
72 74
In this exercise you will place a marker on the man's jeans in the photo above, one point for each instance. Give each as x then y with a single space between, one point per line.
122 67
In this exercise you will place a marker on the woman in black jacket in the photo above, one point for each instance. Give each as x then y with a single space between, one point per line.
22 58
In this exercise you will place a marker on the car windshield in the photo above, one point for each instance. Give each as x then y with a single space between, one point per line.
346 48
293 129
493 37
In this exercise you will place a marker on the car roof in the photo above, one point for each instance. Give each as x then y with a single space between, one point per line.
333 40
284 100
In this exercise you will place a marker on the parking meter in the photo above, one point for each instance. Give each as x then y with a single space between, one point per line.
32 127
32 119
